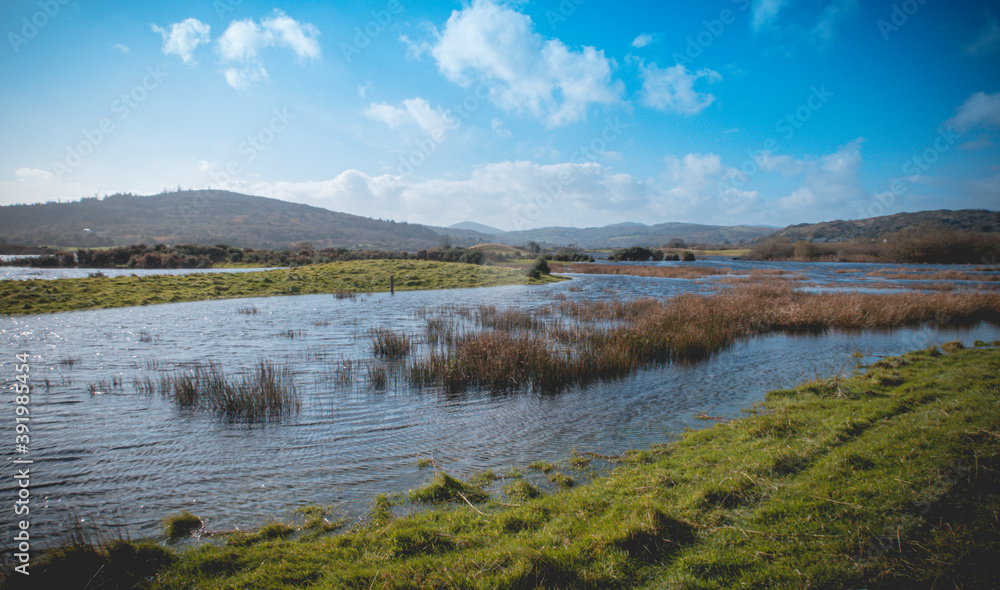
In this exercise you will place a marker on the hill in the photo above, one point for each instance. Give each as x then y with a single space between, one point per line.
207 217
476 227
979 220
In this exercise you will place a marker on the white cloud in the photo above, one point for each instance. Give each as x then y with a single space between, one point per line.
245 76
300 38
433 121
523 71
784 165
979 143
700 185
980 109
672 89
987 42
123 48
183 38
500 129
642 40
242 41
33 175
765 13
831 181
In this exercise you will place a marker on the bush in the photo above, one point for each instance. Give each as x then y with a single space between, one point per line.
541 265
633 254
687 257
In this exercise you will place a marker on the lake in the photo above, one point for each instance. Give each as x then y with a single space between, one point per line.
105 452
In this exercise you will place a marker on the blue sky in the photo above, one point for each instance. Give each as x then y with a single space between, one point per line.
512 114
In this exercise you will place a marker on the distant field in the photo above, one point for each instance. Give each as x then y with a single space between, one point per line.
47 296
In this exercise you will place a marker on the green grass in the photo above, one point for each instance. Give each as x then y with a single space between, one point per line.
884 480
178 526
48 296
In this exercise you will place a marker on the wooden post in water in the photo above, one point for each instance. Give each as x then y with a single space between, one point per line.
392 285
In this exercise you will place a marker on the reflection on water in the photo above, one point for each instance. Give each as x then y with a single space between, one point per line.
110 449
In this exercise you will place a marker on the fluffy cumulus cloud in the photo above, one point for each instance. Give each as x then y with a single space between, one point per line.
181 39
696 187
240 45
512 194
525 73
435 122
700 186
979 110
673 89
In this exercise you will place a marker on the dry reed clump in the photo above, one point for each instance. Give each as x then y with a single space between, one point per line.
921 274
666 272
389 344
266 391
609 339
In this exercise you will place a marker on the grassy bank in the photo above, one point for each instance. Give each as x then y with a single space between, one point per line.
885 480
46 296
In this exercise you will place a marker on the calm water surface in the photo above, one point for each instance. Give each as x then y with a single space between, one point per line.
104 451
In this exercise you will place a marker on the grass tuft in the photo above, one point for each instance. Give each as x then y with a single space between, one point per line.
445 488
181 525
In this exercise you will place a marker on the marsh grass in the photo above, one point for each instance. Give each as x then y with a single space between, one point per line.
608 339
376 376
664 272
390 344
266 391
248 310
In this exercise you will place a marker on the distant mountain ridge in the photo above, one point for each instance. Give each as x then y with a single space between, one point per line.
213 216
477 227
622 235
877 227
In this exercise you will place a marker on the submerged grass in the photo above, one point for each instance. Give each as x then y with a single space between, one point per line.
340 278
266 391
893 485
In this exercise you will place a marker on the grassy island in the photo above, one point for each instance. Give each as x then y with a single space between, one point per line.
362 276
